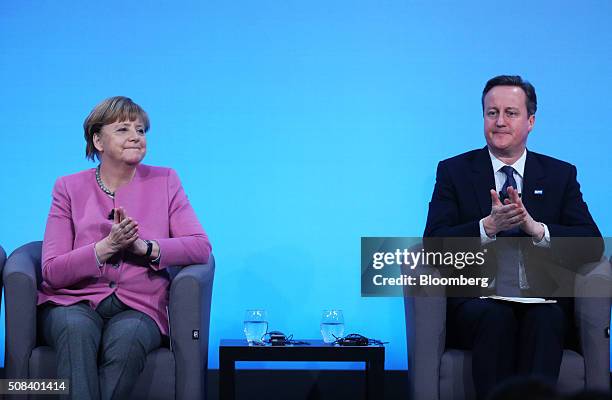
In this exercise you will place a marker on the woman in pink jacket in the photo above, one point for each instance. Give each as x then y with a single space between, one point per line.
111 232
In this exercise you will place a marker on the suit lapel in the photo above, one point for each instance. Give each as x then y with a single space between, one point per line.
533 184
483 180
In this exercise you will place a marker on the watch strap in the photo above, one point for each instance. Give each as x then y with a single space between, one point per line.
149 248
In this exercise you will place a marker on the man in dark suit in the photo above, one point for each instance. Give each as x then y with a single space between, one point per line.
505 190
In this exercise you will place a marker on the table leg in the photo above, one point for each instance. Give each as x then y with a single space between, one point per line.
227 369
375 376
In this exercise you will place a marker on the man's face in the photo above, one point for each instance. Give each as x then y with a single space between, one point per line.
506 123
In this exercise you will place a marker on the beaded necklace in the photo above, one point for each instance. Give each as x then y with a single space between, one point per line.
101 184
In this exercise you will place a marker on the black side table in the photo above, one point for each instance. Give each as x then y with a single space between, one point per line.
232 350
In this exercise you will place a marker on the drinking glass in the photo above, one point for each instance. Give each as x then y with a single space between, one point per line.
332 325
255 326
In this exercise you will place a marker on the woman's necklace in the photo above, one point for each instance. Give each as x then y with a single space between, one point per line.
101 184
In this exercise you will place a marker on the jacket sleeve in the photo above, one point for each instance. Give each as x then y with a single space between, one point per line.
188 243
443 216
576 220
576 239
63 265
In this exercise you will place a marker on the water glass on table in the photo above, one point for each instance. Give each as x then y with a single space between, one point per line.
255 326
332 325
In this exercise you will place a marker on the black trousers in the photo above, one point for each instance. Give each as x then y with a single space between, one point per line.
509 339
101 351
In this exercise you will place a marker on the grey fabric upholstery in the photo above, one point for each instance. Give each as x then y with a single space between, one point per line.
456 374
159 368
176 373
437 372
2 260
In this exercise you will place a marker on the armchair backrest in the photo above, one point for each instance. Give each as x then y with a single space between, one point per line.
33 253
20 278
2 258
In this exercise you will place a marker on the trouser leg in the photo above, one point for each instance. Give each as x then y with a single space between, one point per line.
127 339
74 332
542 336
489 329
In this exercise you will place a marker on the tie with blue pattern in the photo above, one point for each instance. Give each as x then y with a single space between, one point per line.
509 171
507 279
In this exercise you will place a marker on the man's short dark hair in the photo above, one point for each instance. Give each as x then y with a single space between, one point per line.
514 80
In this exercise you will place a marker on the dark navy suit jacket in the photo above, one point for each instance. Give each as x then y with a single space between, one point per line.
551 195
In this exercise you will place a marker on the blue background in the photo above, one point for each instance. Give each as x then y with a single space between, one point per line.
297 126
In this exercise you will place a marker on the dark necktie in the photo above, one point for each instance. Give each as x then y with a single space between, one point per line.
508 257
509 171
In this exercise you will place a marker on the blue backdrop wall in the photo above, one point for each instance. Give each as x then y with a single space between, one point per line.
297 126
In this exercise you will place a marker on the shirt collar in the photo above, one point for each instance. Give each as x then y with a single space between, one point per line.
519 165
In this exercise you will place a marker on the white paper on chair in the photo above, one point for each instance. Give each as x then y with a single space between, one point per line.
524 300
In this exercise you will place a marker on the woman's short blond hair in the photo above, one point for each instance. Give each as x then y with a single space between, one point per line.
113 109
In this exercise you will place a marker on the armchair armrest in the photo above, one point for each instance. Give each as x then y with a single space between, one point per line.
20 285
592 316
189 311
426 335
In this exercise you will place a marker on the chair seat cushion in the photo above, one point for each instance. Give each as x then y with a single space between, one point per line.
572 376
155 382
456 381
42 363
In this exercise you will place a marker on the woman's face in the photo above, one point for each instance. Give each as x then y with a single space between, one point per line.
122 142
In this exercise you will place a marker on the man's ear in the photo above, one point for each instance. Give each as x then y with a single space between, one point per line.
97 142
531 121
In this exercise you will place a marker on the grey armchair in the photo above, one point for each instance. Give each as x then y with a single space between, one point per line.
2 261
178 372
441 373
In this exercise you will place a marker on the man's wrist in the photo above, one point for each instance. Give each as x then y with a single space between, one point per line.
538 231
484 238
489 230
541 232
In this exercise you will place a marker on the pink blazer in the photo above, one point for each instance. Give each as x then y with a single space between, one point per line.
79 218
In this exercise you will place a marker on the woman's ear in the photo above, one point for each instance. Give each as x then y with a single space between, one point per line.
97 142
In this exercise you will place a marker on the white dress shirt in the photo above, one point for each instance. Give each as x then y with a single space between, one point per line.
500 179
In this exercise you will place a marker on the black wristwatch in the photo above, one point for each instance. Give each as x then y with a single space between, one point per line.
149 248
